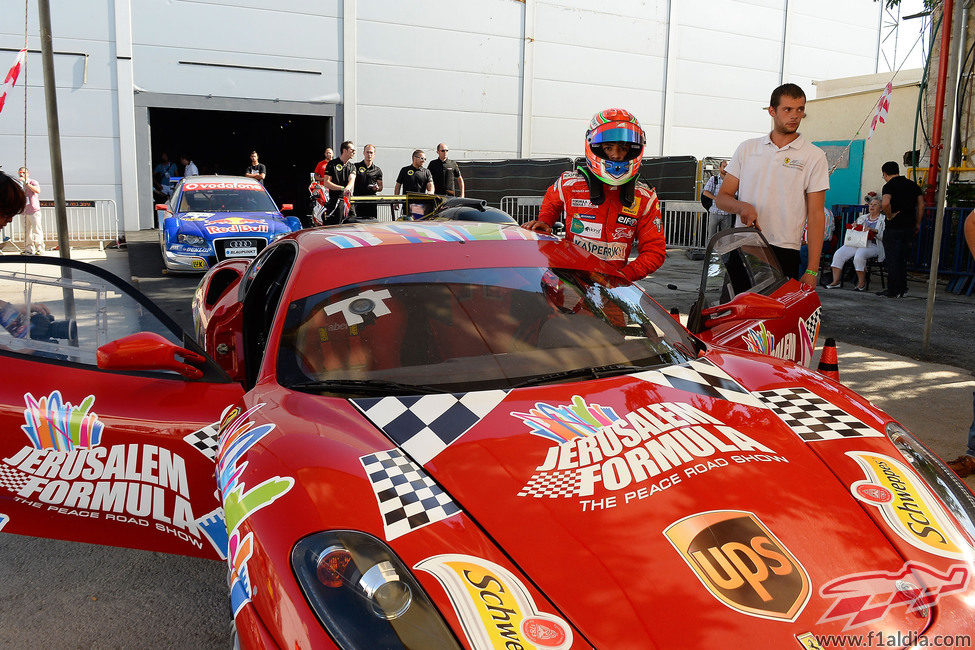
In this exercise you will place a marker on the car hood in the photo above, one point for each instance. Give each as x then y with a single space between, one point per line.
673 507
210 224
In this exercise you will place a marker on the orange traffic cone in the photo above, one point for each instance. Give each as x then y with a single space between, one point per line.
827 361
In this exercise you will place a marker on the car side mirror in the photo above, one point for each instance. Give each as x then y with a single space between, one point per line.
744 306
148 351
287 207
162 206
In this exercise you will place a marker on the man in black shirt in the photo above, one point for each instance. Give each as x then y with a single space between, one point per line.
414 178
339 179
257 171
368 182
903 205
446 173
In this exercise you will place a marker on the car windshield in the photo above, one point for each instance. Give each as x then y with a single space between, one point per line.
235 200
475 329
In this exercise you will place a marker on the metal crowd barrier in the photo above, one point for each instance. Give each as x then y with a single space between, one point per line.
521 208
685 224
88 221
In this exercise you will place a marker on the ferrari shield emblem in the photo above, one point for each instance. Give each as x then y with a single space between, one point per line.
738 559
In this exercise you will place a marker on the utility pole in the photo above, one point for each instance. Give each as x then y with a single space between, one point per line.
53 129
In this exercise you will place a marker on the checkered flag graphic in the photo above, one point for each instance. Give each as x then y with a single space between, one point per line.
813 323
552 485
704 378
424 425
814 418
408 498
12 479
205 440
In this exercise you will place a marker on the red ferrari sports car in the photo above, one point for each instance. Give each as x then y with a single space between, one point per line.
450 434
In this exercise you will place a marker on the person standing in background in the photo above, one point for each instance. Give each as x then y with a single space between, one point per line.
447 180
256 170
780 181
368 182
718 219
903 206
33 235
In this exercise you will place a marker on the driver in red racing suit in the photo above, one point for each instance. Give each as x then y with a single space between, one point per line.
605 207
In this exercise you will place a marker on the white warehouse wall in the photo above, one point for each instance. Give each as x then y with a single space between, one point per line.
494 78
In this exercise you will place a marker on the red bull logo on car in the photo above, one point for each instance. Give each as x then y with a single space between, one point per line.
235 225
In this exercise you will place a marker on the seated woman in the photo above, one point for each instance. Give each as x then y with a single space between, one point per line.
873 223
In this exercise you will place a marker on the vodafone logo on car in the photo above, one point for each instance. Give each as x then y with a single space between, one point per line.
222 185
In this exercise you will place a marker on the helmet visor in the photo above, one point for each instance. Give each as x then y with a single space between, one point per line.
617 134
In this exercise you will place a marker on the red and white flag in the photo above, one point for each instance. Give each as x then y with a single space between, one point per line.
12 74
883 107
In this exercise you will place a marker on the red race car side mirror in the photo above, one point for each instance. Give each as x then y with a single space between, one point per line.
287 207
744 306
148 351
162 206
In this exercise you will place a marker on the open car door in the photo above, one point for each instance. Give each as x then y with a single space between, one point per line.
108 416
746 302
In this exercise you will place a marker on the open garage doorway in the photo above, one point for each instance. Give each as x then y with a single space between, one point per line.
220 142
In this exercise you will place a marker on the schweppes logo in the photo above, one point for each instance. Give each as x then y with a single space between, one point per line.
907 506
742 563
494 607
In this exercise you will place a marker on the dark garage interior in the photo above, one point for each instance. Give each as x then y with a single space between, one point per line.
220 142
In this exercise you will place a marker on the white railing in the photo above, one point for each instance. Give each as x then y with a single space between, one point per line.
685 224
88 221
521 208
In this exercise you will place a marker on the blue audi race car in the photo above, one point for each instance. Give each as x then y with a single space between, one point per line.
212 218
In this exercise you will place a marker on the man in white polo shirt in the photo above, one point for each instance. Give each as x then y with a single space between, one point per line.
781 182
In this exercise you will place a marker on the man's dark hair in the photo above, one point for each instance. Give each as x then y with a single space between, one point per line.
253 153
891 168
12 197
789 90
417 152
347 145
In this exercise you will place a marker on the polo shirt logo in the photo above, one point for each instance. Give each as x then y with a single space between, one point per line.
792 163
338 168
362 170
409 173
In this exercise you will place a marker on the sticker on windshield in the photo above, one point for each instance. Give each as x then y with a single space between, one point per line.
223 185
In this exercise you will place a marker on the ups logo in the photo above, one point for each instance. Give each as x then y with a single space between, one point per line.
742 563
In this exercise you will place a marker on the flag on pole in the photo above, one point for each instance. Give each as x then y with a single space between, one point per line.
883 108
12 74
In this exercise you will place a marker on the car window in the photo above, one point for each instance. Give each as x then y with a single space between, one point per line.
56 311
475 329
737 261
226 200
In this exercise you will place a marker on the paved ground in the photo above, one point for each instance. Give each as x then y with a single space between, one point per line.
62 594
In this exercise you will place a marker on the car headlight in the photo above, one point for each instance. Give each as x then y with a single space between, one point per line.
278 236
192 240
363 594
943 482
